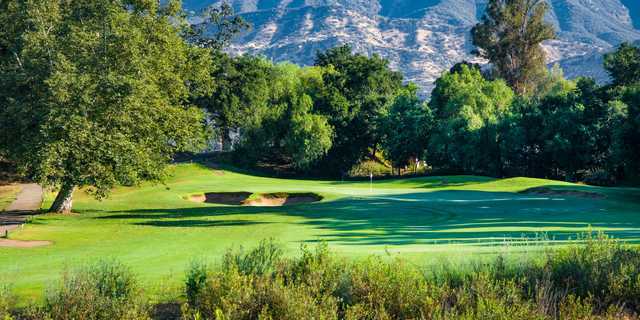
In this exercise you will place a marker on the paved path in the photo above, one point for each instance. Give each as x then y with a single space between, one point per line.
27 204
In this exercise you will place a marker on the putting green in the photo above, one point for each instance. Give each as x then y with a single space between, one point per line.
158 231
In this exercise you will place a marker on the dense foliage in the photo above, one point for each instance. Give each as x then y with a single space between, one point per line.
95 93
327 117
468 110
598 280
407 129
337 115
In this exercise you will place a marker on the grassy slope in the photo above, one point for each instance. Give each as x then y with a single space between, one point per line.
156 231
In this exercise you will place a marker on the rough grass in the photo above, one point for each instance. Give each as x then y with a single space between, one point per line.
156 230
8 194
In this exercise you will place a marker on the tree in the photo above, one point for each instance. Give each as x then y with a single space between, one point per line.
467 110
241 94
357 93
509 36
627 134
623 65
289 132
94 92
218 29
309 136
407 128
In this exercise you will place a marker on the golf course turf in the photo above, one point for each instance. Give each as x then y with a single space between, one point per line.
159 231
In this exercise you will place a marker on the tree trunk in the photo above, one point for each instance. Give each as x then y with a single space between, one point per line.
64 200
226 139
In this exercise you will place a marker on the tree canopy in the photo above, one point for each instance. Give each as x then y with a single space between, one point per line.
407 129
94 93
467 110
509 36
357 95
623 65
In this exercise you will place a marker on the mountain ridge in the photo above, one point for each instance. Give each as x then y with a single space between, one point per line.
422 39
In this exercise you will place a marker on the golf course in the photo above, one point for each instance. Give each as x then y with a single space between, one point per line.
160 229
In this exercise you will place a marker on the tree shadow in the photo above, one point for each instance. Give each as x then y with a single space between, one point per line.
422 182
183 223
438 217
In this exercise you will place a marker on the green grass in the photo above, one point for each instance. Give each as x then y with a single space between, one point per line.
158 232
8 194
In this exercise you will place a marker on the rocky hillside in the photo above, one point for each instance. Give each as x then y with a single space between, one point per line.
423 37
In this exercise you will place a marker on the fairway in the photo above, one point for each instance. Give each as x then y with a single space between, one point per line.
158 231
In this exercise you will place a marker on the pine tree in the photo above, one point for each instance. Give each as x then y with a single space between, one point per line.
509 36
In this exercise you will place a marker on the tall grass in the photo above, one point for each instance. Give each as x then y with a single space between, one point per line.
598 279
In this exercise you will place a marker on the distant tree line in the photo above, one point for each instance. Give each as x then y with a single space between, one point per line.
514 117
99 93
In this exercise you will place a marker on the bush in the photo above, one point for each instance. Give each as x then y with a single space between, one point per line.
106 290
367 167
595 280
7 302
599 178
196 281
603 270
261 260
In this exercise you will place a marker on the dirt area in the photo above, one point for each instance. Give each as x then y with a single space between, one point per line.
7 243
559 192
256 200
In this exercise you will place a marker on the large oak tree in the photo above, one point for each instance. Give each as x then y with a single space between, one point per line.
93 93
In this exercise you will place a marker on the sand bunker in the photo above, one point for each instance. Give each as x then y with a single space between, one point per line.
22 244
228 198
281 199
256 200
559 192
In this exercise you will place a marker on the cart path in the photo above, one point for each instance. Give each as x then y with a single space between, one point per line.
27 203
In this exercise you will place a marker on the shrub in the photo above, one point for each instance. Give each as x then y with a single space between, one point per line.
597 280
603 270
367 167
196 281
230 294
599 178
7 301
261 260
106 290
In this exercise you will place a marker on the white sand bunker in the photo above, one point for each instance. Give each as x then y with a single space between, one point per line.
276 199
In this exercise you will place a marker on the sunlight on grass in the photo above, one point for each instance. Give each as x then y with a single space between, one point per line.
430 221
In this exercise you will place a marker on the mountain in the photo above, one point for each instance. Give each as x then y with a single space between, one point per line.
423 38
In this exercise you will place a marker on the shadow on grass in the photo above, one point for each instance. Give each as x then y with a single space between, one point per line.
426 182
439 217
182 223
